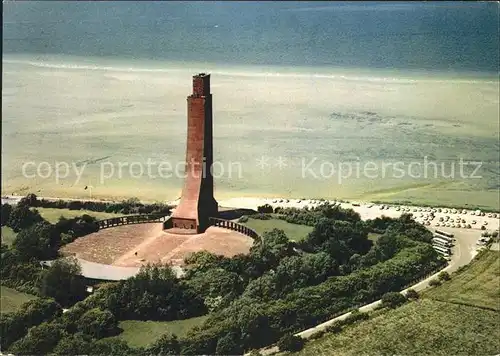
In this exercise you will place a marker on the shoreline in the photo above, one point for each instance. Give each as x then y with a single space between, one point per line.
261 200
470 223
250 202
342 130
488 203
125 64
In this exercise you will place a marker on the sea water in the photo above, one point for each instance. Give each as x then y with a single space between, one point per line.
306 97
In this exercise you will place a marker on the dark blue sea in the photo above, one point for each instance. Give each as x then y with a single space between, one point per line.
434 36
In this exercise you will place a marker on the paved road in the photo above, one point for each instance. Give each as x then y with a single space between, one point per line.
463 252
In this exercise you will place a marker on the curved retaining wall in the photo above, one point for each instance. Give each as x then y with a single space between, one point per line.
166 220
231 225
131 219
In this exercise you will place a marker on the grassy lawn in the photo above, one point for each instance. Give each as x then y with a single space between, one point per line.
52 215
293 231
434 325
427 327
142 333
478 284
373 236
8 235
11 299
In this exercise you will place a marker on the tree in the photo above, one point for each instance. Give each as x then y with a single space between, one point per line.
84 225
153 294
229 345
335 212
71 318
340 239
22 217
393 299
261 216
266 209
391 243
290 342
407 226
444 276
355 316
202 261
412 294
11 329
75 205
5 215
40 340
76 344
167 344
291 273
19 274
77 226
62 281
275 242
32 313
262 288
66 239
335 327
380 224
253 321
110 347
434 282
355 261
217 283
40 241
97 323
29 200
317 335
38 310
273 247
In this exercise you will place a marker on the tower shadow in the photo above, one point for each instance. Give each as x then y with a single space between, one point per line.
234 213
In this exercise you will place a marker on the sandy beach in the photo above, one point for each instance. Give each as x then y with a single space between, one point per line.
269 124
443 218
446 219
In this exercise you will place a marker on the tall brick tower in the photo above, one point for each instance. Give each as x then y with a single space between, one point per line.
197 200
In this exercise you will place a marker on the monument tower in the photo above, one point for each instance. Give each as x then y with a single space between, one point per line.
197 202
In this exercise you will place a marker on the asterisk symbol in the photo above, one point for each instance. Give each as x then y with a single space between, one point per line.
263 162
281 162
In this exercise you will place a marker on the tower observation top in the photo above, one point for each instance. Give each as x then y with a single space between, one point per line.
201 85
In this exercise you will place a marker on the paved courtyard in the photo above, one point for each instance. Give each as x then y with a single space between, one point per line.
139 244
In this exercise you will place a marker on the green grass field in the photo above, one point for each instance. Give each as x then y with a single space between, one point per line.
373 236
11 299
52 215
477 285
8 235
142 333
427 327
293 231
448 320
